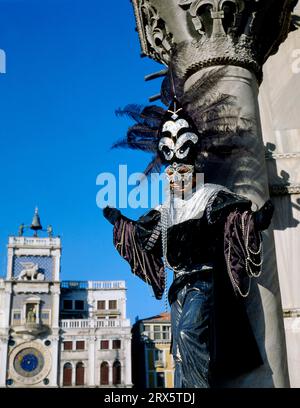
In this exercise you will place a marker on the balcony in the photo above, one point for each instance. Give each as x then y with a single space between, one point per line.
29 330
93 324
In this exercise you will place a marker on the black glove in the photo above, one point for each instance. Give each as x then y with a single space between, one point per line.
263 216
111 214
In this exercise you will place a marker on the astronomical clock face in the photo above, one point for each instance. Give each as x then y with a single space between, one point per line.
30 363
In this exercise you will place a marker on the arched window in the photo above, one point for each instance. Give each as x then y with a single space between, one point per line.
67 375
104 373
79 374
117 373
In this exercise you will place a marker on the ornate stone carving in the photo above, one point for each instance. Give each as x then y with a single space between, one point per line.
218 32
31 287
156 39
213 17
31 272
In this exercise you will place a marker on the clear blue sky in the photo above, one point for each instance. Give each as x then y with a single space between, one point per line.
70 64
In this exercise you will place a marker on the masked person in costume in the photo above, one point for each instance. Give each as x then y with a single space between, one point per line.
209 237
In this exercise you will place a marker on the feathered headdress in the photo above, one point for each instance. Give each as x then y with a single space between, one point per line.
171 134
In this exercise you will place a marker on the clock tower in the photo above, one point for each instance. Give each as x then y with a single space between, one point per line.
29 309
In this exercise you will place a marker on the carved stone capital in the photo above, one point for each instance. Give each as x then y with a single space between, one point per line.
156 39
199 33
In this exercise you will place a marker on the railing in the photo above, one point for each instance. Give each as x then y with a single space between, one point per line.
107 285
74 285
90 323
35 241
93 285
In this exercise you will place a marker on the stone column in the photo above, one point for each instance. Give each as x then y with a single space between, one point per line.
127 361
228 43
54 377
55 290
7 304
91 361
3 360
56 267
10 255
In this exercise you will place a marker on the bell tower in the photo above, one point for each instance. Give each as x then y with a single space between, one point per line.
29 299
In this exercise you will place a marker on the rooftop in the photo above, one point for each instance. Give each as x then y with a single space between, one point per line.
162 317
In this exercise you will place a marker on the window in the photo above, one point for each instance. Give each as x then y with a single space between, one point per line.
104 373
45 317
80 345
158 358
158 355
104 344
156 332
101 305
79 304
112 304
112 317
67 375
68 345
68 304
147 328
116 344
166 332
16 317
79 380
117 373
160 380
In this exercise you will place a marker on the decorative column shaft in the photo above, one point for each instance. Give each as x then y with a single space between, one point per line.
227 43
92 361
3 359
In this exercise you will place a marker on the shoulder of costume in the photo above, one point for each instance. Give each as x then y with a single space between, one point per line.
150 216
223 201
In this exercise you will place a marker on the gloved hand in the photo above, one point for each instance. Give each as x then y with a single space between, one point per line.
111 214
263 216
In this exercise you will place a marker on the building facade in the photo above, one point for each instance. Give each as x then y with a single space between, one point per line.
59 333
279 109
153 365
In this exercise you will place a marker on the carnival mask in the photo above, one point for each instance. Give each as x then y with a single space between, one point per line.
179 172
170 135
178 138
181 179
